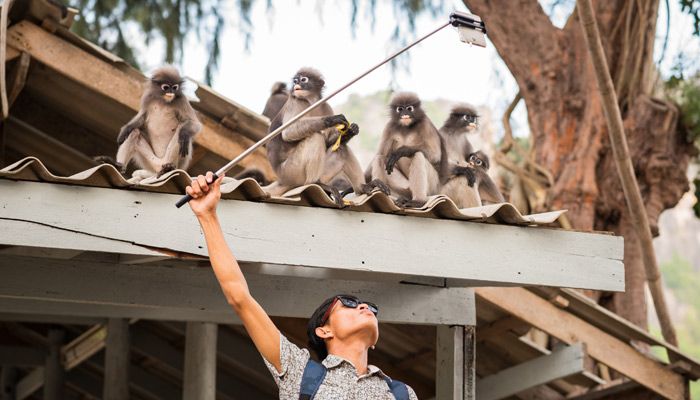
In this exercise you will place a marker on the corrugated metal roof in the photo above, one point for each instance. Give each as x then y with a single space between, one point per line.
32 169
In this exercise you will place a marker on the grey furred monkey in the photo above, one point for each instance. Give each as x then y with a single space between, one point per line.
411 152
278 96
465 183
461 121
159 137
302 153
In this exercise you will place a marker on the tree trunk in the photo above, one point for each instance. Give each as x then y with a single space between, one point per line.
569 134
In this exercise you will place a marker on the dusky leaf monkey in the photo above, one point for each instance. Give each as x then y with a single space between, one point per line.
302 154
461 121
465 183
278 96
159 137
411 151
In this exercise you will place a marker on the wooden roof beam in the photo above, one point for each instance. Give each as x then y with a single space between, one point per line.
601 346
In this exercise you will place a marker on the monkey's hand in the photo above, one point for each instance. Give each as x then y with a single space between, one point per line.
334 120
466 172
353 130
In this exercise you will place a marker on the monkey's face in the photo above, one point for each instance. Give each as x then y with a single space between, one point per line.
406 114
305 85
169 90
468 121
478 160
462 122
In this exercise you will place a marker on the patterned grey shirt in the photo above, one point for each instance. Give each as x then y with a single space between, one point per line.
341 382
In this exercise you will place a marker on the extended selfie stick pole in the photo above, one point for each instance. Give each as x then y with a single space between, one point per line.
471 30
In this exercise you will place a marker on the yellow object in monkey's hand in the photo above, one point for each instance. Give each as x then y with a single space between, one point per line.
343 129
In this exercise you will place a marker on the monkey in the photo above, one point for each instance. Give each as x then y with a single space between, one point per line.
411 152
278 96
159 137
298 154
461 121
302 154
465 183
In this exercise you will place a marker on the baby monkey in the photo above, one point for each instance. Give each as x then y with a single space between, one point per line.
464 183
159 137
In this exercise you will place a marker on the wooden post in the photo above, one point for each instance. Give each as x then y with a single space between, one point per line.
470 362
449 368
54 373
116 381
8 383
618 142
200 361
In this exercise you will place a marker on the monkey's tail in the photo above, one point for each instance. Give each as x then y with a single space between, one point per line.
255 174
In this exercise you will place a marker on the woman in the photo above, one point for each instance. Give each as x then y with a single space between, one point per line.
341 330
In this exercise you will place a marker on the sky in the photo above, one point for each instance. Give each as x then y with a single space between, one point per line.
317 33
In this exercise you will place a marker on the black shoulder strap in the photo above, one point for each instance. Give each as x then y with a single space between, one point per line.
398 388
311 380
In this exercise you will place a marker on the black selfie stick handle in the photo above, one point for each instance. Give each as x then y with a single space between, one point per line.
186 198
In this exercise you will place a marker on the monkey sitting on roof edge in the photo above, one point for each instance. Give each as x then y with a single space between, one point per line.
159 137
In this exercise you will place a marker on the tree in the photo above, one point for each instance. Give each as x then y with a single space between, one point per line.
569 134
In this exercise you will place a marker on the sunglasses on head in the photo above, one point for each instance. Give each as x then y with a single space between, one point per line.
350 302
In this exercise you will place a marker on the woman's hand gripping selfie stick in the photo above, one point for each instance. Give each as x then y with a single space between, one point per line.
471 30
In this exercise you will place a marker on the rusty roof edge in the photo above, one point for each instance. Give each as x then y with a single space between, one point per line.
174 182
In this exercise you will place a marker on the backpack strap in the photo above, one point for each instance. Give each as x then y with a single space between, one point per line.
311 380
398 388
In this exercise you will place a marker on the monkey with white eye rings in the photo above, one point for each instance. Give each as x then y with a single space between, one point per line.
411 153
463 120
298 155
159 137
465 183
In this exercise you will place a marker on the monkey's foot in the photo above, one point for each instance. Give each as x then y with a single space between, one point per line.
165 169
334 194
109 160
376 184
404 202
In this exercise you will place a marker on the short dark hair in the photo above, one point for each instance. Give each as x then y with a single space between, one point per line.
316 343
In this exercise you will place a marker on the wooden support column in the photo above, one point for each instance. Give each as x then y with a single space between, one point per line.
116 382
200 361
450 365
470 362
54 373
8 383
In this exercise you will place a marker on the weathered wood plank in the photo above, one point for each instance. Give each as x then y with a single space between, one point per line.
122 87
79 288
560 364
363 243
601 346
